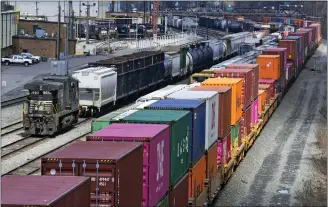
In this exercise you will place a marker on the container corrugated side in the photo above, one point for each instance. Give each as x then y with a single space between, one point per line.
212 115
164 202
154 138
235 134
245 124
34 191
197 108
197 176
269 66
178 195
263 85
179 138
254 108
236 87
255 71
247 76
211 161
115 162
291 46
226 150
224 107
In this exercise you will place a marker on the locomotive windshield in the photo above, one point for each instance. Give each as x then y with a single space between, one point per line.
41 95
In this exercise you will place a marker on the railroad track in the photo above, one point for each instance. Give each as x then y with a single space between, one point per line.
24 144
11 128
14 101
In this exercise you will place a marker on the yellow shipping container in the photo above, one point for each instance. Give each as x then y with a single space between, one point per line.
236 94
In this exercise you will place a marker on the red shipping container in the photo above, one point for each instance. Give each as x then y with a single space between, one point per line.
255 71
272 86
245 124
54 191
282 52
247 76
291 46
268 90
178 196
226 150
154 137
112 163
302 34
313 34
224 106
308 37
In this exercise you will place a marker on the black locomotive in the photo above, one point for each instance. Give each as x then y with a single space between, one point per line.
52 105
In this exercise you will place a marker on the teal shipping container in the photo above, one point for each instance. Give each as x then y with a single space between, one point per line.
180 122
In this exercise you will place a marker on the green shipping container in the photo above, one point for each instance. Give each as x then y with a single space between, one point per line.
234 133
103 121
180 125
164 202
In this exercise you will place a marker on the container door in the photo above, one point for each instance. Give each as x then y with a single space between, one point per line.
102 178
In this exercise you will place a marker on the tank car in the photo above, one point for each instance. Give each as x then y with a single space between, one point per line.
52 105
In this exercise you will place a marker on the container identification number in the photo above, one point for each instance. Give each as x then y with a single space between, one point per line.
160 160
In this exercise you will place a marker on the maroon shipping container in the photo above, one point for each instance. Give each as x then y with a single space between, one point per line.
245 124
178 196
308 37
272 85
291 46
255 72
115 169
247 76
224 107
54 191
282 52
268 90
291 69
302 34
313 34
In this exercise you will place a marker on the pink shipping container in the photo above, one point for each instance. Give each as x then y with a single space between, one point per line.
52 191
254 116
247 76
226 149
272 85
156 143
219 152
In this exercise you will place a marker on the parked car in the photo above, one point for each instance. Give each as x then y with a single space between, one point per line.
36 59
16 59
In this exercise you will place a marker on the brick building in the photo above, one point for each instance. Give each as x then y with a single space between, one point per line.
46 45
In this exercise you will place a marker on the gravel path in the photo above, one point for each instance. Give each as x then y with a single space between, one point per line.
11 114
274 168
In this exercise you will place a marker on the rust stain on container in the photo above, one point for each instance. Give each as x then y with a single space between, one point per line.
115 169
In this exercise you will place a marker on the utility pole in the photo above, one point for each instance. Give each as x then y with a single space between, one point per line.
87 25
67 22
36 8
71 19
58 35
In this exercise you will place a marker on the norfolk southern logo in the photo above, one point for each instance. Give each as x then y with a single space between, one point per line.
213 115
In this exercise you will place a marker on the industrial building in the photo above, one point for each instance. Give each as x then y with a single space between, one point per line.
39 37
8 29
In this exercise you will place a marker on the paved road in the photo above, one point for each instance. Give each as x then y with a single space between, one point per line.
276 167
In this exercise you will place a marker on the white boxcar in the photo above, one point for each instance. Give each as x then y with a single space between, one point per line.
212 116
97 87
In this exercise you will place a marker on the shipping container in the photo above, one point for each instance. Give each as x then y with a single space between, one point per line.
224 107
247 76
212 115
269 66
245 124
291 73
164 202
282 52
262 101
197 176
226 150
268 91
303 35
108 164
299 49
291 46
308 39
254 109
198 110
54 191
235 131
153 137
178 195
220 150
105 120
236 93
211 161
272 83
255 71
180 122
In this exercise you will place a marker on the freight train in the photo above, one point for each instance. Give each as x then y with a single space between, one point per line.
183 144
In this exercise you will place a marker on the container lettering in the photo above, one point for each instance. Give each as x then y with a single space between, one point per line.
160 160
213 116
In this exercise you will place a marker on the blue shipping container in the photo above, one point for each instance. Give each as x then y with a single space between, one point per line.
197 108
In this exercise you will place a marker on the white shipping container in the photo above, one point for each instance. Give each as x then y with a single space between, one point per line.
97 86
124 114
174 62
160 94
212 116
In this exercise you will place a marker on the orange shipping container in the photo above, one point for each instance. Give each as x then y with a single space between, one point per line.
236 85
262 101
269 66
211 161
197 176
